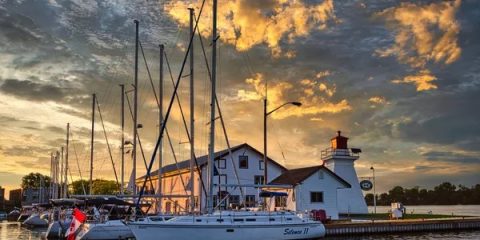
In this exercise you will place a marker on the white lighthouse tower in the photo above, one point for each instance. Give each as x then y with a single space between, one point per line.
340 159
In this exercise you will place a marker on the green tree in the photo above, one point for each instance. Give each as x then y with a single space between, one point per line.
99 187
35 180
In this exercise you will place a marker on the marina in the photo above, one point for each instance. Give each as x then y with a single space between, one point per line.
163 170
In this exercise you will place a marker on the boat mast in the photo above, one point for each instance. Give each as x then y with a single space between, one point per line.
122 143
160 120
211 146
192 116
94 98
135 111
61 172
65 190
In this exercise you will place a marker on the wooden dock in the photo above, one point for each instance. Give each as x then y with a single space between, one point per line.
404 226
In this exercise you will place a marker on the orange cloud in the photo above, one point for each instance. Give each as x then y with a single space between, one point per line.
423 80
377 100
424 33
313 103
246 23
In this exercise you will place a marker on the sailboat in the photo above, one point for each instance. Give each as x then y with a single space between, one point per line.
222 225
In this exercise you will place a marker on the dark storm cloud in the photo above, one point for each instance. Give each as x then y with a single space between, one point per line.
451 157
30 90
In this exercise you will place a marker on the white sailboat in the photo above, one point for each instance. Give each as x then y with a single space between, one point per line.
227 224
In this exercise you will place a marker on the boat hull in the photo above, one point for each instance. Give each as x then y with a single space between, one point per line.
114 229
35 221
57 229
227 231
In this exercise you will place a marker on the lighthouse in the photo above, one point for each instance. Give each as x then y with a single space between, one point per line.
341 160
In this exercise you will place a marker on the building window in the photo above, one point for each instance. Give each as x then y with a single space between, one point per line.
258 180
243 162
281 201
316 197
250 200
234 199
261 165
221 164
222 179
320 174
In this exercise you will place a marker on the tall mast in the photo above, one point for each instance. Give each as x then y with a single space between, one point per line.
135 111
192 116
94 98
122 141
62 162
211 146
160 122
65 190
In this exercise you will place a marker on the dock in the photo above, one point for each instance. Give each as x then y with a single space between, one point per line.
404 226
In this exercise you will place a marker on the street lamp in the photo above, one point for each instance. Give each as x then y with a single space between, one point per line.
265 114
374 192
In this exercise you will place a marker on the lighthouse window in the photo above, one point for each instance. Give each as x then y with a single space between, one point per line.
243 162
316 197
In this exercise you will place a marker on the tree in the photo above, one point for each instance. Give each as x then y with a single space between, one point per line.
35 180
100 187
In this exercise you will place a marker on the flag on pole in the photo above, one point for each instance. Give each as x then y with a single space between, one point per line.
78 218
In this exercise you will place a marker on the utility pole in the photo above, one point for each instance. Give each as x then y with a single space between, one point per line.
122 141
135 111
211 146
192 116
65 193
160 123
94 99
265 158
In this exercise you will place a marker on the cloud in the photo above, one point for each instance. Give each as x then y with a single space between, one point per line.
308 93
422 80
247 23
377 100
452 157
424 34
31 90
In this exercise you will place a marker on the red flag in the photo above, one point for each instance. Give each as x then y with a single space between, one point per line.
78 218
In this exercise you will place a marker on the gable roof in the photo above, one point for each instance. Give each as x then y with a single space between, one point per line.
297 176
202 161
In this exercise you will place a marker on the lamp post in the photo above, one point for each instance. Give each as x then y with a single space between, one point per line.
265 114
374 192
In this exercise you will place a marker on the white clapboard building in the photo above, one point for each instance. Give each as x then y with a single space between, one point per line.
316 187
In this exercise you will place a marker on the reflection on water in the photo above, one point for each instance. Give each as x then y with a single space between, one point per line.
467 235
13 230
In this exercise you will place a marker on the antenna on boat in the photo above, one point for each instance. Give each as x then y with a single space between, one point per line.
94 96
211 146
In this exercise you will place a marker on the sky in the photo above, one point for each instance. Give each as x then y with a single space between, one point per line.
401 79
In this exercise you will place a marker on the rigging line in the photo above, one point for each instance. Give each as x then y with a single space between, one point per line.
168 110
106 140
149 74
139 141
221 116
158 105
185 122
78 164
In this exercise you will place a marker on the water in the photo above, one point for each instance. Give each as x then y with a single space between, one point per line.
13 230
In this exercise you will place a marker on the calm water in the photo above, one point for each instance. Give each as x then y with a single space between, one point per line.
13 231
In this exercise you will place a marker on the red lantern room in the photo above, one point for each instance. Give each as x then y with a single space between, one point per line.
339 141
